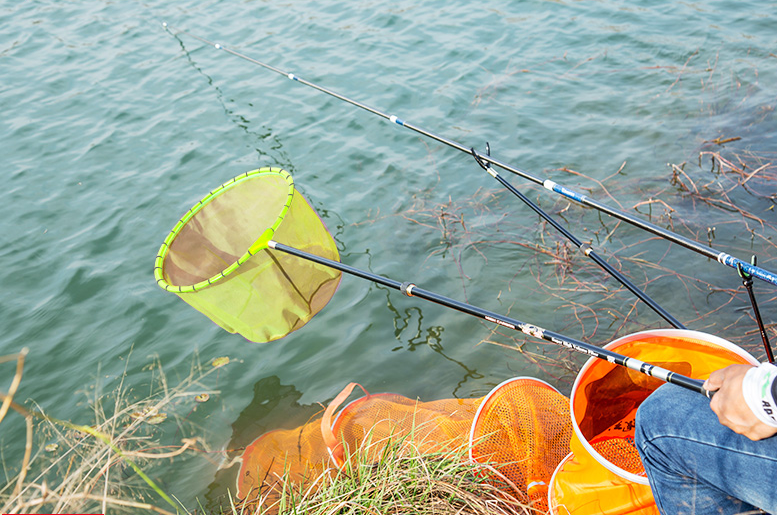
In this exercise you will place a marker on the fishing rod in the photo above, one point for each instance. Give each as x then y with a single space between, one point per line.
585 248
720 257
411 290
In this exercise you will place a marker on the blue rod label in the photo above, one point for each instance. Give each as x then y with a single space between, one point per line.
755 271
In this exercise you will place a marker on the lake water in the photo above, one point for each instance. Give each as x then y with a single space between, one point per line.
112 128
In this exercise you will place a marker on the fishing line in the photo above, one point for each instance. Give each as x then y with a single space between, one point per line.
411 290
585 248
720 257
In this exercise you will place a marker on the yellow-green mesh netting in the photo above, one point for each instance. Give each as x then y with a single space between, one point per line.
216 258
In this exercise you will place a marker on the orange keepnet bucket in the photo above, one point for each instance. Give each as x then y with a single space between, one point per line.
603 474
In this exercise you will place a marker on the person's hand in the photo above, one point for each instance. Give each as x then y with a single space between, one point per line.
730 406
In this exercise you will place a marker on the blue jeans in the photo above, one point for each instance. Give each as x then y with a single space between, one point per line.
697 466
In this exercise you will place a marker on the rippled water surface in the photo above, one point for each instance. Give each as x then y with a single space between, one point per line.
113 127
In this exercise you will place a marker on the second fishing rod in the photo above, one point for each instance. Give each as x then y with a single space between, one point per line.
721 257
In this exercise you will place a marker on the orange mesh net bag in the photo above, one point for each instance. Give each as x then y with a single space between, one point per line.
523 429
603 474
296 455
378 420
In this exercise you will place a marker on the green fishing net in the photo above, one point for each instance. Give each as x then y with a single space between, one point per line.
216 258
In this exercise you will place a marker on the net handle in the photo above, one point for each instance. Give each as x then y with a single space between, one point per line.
411 290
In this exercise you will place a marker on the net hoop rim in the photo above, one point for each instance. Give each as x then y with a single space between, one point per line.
259 244
688 333
487 398
551 508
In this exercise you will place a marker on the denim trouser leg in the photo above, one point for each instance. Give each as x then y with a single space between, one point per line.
697 466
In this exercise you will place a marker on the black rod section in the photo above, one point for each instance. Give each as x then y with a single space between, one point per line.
584 247
411 290
747 280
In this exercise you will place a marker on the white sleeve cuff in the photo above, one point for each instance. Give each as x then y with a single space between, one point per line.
757 390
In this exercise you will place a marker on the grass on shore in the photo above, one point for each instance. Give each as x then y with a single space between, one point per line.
394 478
106 466
114 464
